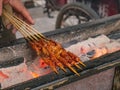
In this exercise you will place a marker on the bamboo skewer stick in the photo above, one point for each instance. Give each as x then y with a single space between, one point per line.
82 63
18 26
31 28
15 24
28 32
28 27
72 69
77 66
25 34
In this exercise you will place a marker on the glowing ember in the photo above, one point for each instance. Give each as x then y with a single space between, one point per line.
3 75
35 75
42 64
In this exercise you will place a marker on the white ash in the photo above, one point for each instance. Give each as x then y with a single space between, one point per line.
113 46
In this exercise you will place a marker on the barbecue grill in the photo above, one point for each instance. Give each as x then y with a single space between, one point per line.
17 55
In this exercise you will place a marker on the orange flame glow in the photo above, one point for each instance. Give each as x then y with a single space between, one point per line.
3 75
99 52
42 64
35 75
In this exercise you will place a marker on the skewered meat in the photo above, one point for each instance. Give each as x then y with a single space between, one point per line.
55 55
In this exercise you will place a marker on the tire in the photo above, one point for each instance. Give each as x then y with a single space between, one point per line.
75 9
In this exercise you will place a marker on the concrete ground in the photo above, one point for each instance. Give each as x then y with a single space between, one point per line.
42 22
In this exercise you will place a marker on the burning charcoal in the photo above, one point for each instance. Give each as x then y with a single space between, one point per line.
91 53
99 52
42 64
36 69
94 47
3 76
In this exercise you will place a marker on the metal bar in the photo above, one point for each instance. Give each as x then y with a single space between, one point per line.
116 79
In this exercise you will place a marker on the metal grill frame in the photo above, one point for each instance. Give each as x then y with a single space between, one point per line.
84 32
